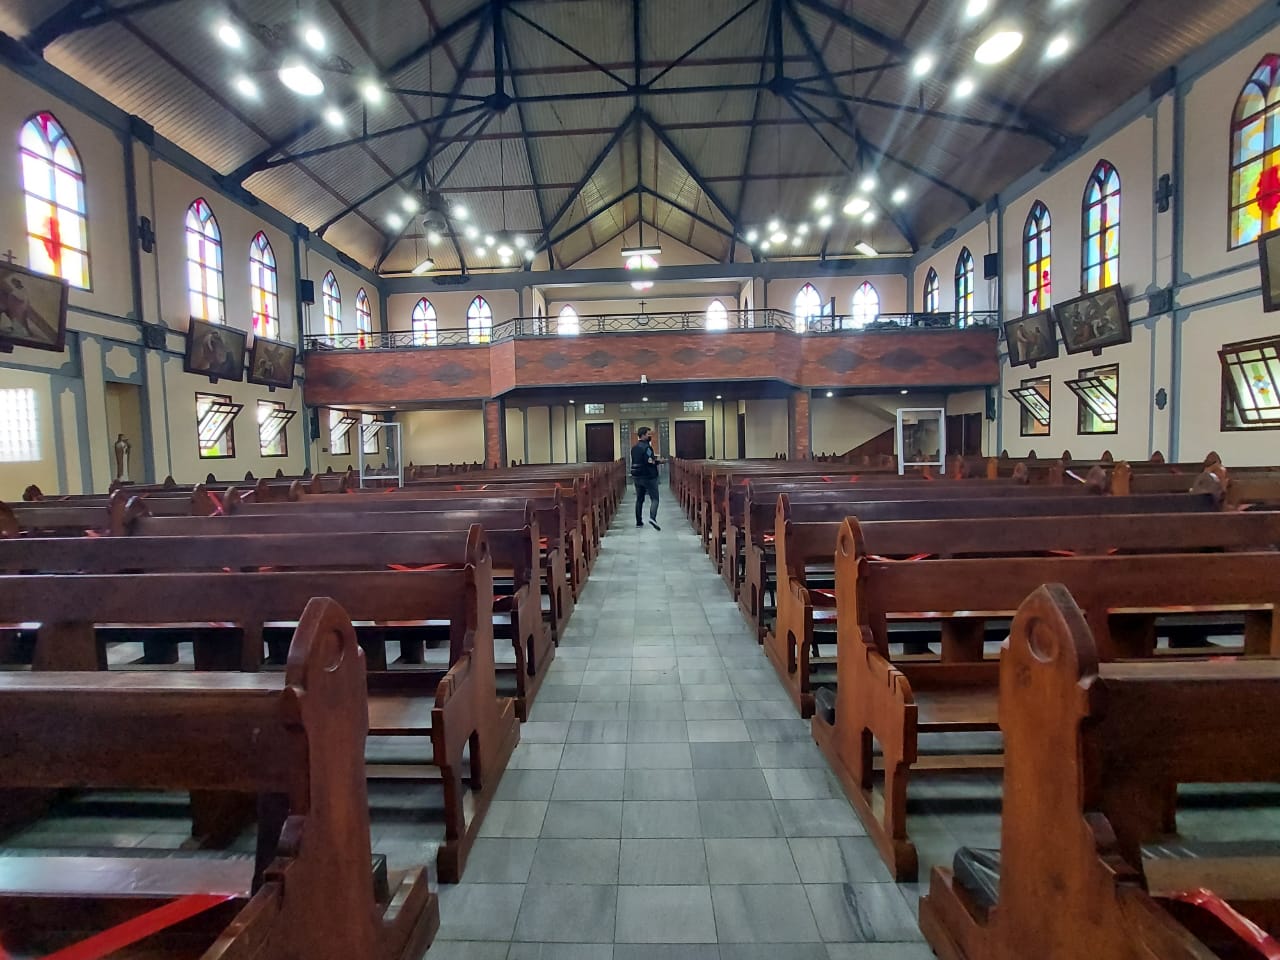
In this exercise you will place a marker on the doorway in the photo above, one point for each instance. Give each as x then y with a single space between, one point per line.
691 439
600 448
742 436
964 434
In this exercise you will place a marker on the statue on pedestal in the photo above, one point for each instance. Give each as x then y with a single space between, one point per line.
122 459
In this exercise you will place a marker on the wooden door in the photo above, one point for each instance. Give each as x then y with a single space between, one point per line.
742 436
691 439
600 447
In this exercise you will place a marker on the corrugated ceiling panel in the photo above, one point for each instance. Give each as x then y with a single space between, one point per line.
19 17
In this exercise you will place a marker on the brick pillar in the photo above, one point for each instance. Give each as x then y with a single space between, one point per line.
495 433
801 432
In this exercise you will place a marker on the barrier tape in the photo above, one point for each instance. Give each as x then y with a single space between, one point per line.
1253 935
217 504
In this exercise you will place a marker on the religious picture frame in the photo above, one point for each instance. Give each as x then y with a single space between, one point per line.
1269 264
1031 339
214 350
33 309
271 363
1094 321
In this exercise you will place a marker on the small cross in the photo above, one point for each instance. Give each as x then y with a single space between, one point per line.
9 257
642 303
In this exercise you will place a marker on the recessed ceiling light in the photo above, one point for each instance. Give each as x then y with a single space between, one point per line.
489 241
821 201
529 254
458 212
520 242
504 251
644 399
797 241
299 78
335 117
963 88
923 65
825 221
802 229
719 397
903 392
899 195
471 231
831 393
869 217
313 38
774 226
864 248
395 221
867 183
230 36
976 8
998 47
753 236
856 206
764 245
410 204
778 236
1057 46
481 252
371 91
245 87
433 236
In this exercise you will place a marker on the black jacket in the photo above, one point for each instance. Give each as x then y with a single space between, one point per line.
644 465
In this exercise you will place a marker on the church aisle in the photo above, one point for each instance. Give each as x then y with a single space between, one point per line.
665 800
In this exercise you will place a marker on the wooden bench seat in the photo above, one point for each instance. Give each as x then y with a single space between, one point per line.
296 740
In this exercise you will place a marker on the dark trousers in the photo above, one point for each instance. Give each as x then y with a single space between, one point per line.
646 486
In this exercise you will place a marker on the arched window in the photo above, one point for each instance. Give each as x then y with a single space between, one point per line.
932 291
479 321
364 319
567 325
717 316
1255 161
53 182
964 286
423 321
1101 228
331 304
866 305
808 306
264 287
204 263
1037 268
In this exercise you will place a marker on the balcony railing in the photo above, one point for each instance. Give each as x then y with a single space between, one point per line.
593 325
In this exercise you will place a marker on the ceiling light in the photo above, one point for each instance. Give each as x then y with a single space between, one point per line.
899 195
410 204
825 221
644 399
520 242
425 266
764 245
395 221
903 392
313 38
796 241
489 241
230 36
335 117
869 217
719 397
471 231
458 212
856 206
573 401
299 78
998 47
644 250
504 252
821 201
774 226
964 86
867 183
530 253
433 237
864 248
1057 46
245 87
753 236
976 8
802 229
778 236
830 393
481 252
923 65
371 91
505 257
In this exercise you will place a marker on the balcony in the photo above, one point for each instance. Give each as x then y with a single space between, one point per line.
895 350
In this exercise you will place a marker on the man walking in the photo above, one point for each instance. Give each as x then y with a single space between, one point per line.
644 471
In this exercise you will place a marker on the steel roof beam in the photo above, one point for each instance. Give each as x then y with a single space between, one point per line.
568 46
715 31
592 169
543 225
746 156
81 15
689 168
997 125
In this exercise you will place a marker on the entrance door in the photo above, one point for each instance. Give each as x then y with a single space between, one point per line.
742 436
691 439
600 447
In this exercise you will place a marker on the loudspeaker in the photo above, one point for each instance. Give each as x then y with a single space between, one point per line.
153 336
990 266
307 291
991 404
315 424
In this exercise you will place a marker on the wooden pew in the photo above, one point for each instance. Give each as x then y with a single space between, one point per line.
892 702
446 715
296 740
1093 755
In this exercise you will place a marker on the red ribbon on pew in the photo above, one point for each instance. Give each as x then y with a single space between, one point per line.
911 559
217 504
1244 928
139 928
410 568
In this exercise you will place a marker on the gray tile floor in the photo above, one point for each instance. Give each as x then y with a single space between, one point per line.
665 800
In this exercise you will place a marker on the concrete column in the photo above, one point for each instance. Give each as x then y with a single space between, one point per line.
495 433
799 439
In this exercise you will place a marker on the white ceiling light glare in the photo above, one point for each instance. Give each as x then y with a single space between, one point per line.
856 206
964 88
821 202
774 226
471 231
866 249
778 236
765 245
830 394
899 196
923 65
797 240
489 241
313 37
335 117
229 36
975 8
299 78
458 212
998 47
1057 47
410 204
802 229
395 221
825 221
371 90
753 236
433 237
504 251
245 87
520 242
869 217
530 253
867 183
481 253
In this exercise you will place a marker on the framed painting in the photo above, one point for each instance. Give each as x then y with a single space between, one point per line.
214 350
1094 321
33 309
271 363
1031 339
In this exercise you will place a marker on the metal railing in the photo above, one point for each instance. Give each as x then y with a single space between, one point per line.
520 328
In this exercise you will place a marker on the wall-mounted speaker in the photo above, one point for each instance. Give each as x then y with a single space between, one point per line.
307 291
991 403
315 424
153 336
990 266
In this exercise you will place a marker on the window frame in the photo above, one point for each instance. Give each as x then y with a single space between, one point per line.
42 121
863 288
264 294
1229 356
204 216
1264 78
932 292
371 436
221 407
273 427
344 434
809 311
428 334
1087 384
364 320
1103 184
964 284
721 319
479 322
574 326
1037 236
331 298
1028 415
30 444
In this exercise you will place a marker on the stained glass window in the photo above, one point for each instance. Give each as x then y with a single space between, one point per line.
53 185
717 316
567 325
1037 266
964 286
1098 390
932 291
866 305
1033 398
215 415
1255 155
364 319
369 430
331 304
1101 228
808 306
340 424
264 286
1251 377
479 321
273 438
204 263
424 325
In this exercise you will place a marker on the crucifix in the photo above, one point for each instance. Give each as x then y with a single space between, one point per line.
9 257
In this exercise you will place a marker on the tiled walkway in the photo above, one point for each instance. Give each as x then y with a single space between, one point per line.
666 800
